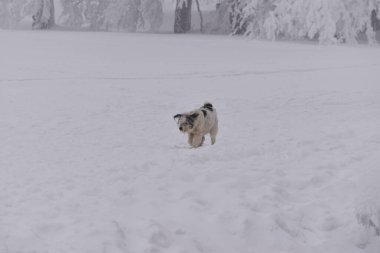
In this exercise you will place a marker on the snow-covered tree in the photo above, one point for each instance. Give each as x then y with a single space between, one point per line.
328 21
43 14
72 13
182 19
218 20
152 13
118 15
254 15
124 15
236 7
183 16
83 13
94 13
11 12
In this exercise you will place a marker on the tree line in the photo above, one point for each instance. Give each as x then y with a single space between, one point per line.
326 21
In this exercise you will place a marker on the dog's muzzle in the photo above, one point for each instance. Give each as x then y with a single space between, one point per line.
180 129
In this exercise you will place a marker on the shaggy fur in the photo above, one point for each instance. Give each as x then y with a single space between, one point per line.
198 123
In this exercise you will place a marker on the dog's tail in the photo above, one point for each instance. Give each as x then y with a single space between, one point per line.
208 106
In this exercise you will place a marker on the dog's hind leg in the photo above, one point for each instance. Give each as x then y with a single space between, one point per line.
213 133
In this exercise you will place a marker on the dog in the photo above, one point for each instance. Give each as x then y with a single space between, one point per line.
198 123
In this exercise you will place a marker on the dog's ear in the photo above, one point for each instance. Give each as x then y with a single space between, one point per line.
177 116
194 115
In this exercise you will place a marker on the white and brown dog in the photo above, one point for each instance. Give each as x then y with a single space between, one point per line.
198 123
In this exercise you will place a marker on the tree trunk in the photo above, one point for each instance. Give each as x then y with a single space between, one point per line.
44 17
375 22
182 22
51 21
200 15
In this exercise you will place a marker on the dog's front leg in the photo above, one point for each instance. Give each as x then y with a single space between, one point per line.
190 139
197 141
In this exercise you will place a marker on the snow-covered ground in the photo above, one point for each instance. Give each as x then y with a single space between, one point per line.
91 159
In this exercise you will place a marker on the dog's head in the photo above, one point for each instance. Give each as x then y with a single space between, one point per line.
186 121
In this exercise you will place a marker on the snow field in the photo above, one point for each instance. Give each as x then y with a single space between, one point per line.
92 161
